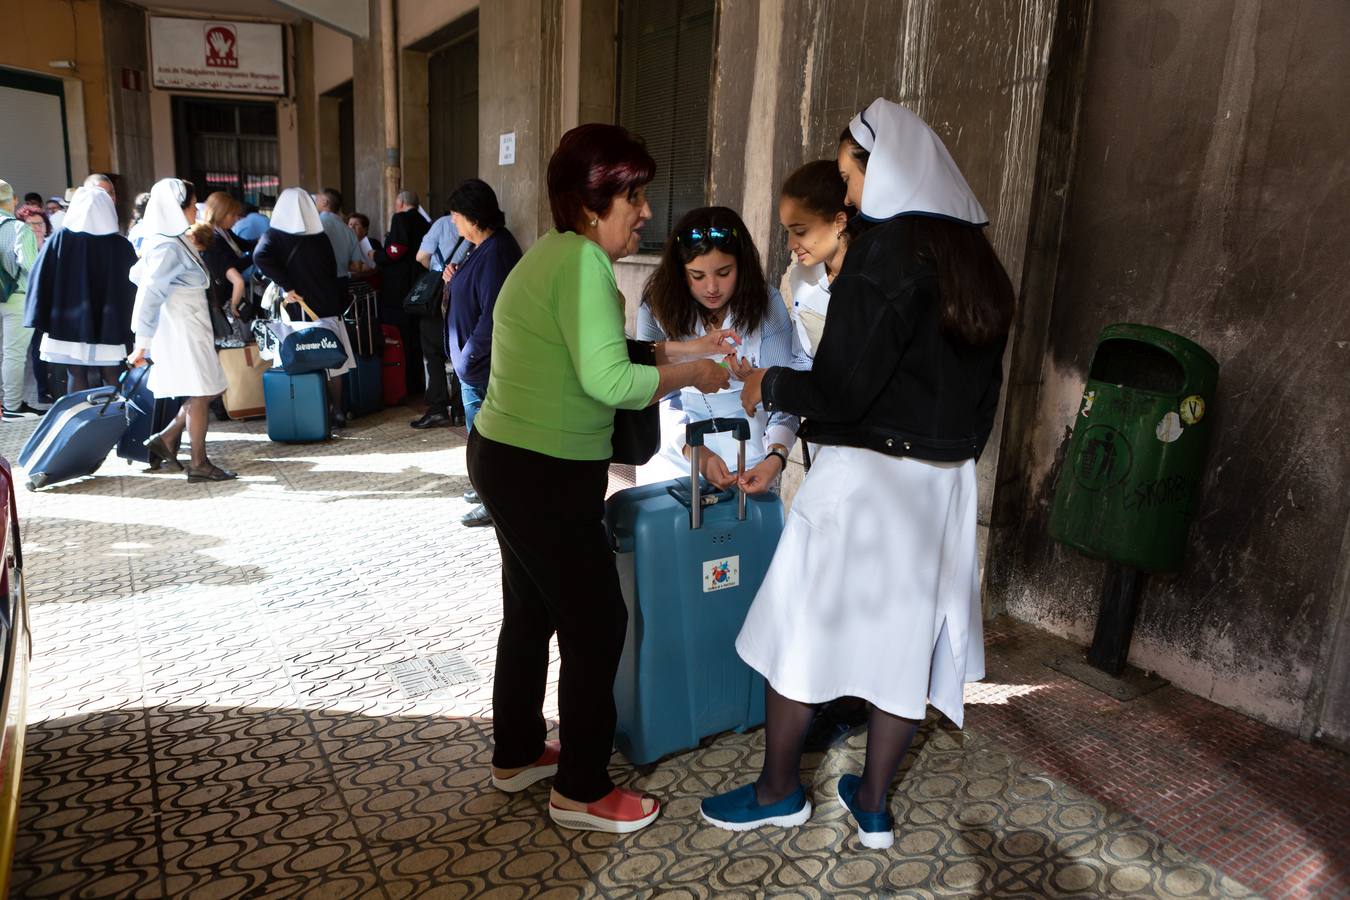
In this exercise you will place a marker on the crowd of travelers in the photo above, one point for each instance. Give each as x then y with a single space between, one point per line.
885 358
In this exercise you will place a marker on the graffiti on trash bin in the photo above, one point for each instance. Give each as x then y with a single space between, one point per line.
1174 489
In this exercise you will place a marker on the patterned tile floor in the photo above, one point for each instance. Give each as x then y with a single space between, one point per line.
210 716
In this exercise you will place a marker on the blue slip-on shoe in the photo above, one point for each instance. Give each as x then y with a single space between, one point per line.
875 829
740 811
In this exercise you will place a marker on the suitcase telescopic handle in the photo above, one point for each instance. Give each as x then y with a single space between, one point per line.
137 377
694 434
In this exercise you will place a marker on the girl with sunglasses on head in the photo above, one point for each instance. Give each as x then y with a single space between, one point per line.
710 286
874 590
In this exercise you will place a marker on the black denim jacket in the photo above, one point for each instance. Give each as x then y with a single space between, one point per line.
884 377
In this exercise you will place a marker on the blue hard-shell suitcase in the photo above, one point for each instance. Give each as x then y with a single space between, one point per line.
363 387
297 406
148 415
689 576
77 433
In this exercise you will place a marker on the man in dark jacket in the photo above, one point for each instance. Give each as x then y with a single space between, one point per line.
399 271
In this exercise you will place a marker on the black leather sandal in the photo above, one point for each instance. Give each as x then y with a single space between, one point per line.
209 472
160 452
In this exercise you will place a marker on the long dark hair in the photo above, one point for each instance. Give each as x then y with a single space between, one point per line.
667 291
974 291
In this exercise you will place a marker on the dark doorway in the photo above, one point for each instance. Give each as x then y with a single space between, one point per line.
452 89
231 147
346 143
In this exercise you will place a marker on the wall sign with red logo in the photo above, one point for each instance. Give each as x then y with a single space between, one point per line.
207 55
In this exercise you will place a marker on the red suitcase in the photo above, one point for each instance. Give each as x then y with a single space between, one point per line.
394 362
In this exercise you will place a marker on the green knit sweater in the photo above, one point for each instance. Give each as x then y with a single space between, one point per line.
559 358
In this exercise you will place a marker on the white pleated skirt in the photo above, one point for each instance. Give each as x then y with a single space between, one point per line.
183 349
874 590
78 353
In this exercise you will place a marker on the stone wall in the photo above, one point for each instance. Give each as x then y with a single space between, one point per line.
1207 198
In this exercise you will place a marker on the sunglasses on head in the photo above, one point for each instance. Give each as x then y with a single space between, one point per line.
718 237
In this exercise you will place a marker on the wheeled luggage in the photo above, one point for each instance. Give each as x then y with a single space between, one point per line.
244 368
147 415
297 406
394 362
363 388
77 433
363 318
689 573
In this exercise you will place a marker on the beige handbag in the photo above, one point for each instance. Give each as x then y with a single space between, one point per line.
244 368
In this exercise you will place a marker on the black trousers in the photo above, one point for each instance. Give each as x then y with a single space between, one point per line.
558 576
431 330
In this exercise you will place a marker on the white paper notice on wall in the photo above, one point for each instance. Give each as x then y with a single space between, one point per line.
506 154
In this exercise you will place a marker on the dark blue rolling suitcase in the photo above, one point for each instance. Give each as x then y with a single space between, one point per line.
148 415
297 406
363 387
689 573
77 433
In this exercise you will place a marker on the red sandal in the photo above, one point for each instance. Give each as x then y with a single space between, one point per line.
546 766
618 812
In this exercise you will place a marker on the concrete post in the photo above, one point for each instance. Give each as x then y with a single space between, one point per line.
389 81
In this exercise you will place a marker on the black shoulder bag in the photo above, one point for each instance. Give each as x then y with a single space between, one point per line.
637 432
425 297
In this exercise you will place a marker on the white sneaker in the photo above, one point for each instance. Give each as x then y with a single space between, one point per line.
11 415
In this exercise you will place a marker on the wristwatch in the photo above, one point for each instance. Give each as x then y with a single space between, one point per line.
779 451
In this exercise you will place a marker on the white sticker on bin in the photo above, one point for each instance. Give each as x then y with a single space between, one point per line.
720 574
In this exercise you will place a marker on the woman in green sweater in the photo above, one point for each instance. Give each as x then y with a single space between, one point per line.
539 459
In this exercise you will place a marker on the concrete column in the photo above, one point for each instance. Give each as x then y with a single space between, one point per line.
329 148
597 54
368 126
306 105
131 144
415 126
523 38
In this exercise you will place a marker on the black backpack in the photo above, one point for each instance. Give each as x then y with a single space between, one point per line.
8 282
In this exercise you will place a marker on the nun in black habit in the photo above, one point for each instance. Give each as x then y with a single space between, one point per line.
79 294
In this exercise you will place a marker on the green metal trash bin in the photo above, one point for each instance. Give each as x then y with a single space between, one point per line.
1131 478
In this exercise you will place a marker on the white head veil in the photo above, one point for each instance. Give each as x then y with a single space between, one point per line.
164 217
91 212
296 213
909 171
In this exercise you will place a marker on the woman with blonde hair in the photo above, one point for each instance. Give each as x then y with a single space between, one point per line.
224 256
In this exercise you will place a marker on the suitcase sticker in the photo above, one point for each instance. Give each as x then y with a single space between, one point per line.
720 574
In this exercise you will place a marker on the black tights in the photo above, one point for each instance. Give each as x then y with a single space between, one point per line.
785 726
82 378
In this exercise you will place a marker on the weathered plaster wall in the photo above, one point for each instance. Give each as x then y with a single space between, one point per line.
332 58
1208 197
790 77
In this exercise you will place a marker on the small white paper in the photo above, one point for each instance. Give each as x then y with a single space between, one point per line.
506 153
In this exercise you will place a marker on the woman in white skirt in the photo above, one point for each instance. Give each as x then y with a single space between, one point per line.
873 591
173 327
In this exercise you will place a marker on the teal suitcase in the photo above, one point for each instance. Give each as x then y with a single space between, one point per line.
689 574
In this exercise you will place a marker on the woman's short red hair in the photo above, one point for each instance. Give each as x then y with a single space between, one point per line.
593 164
